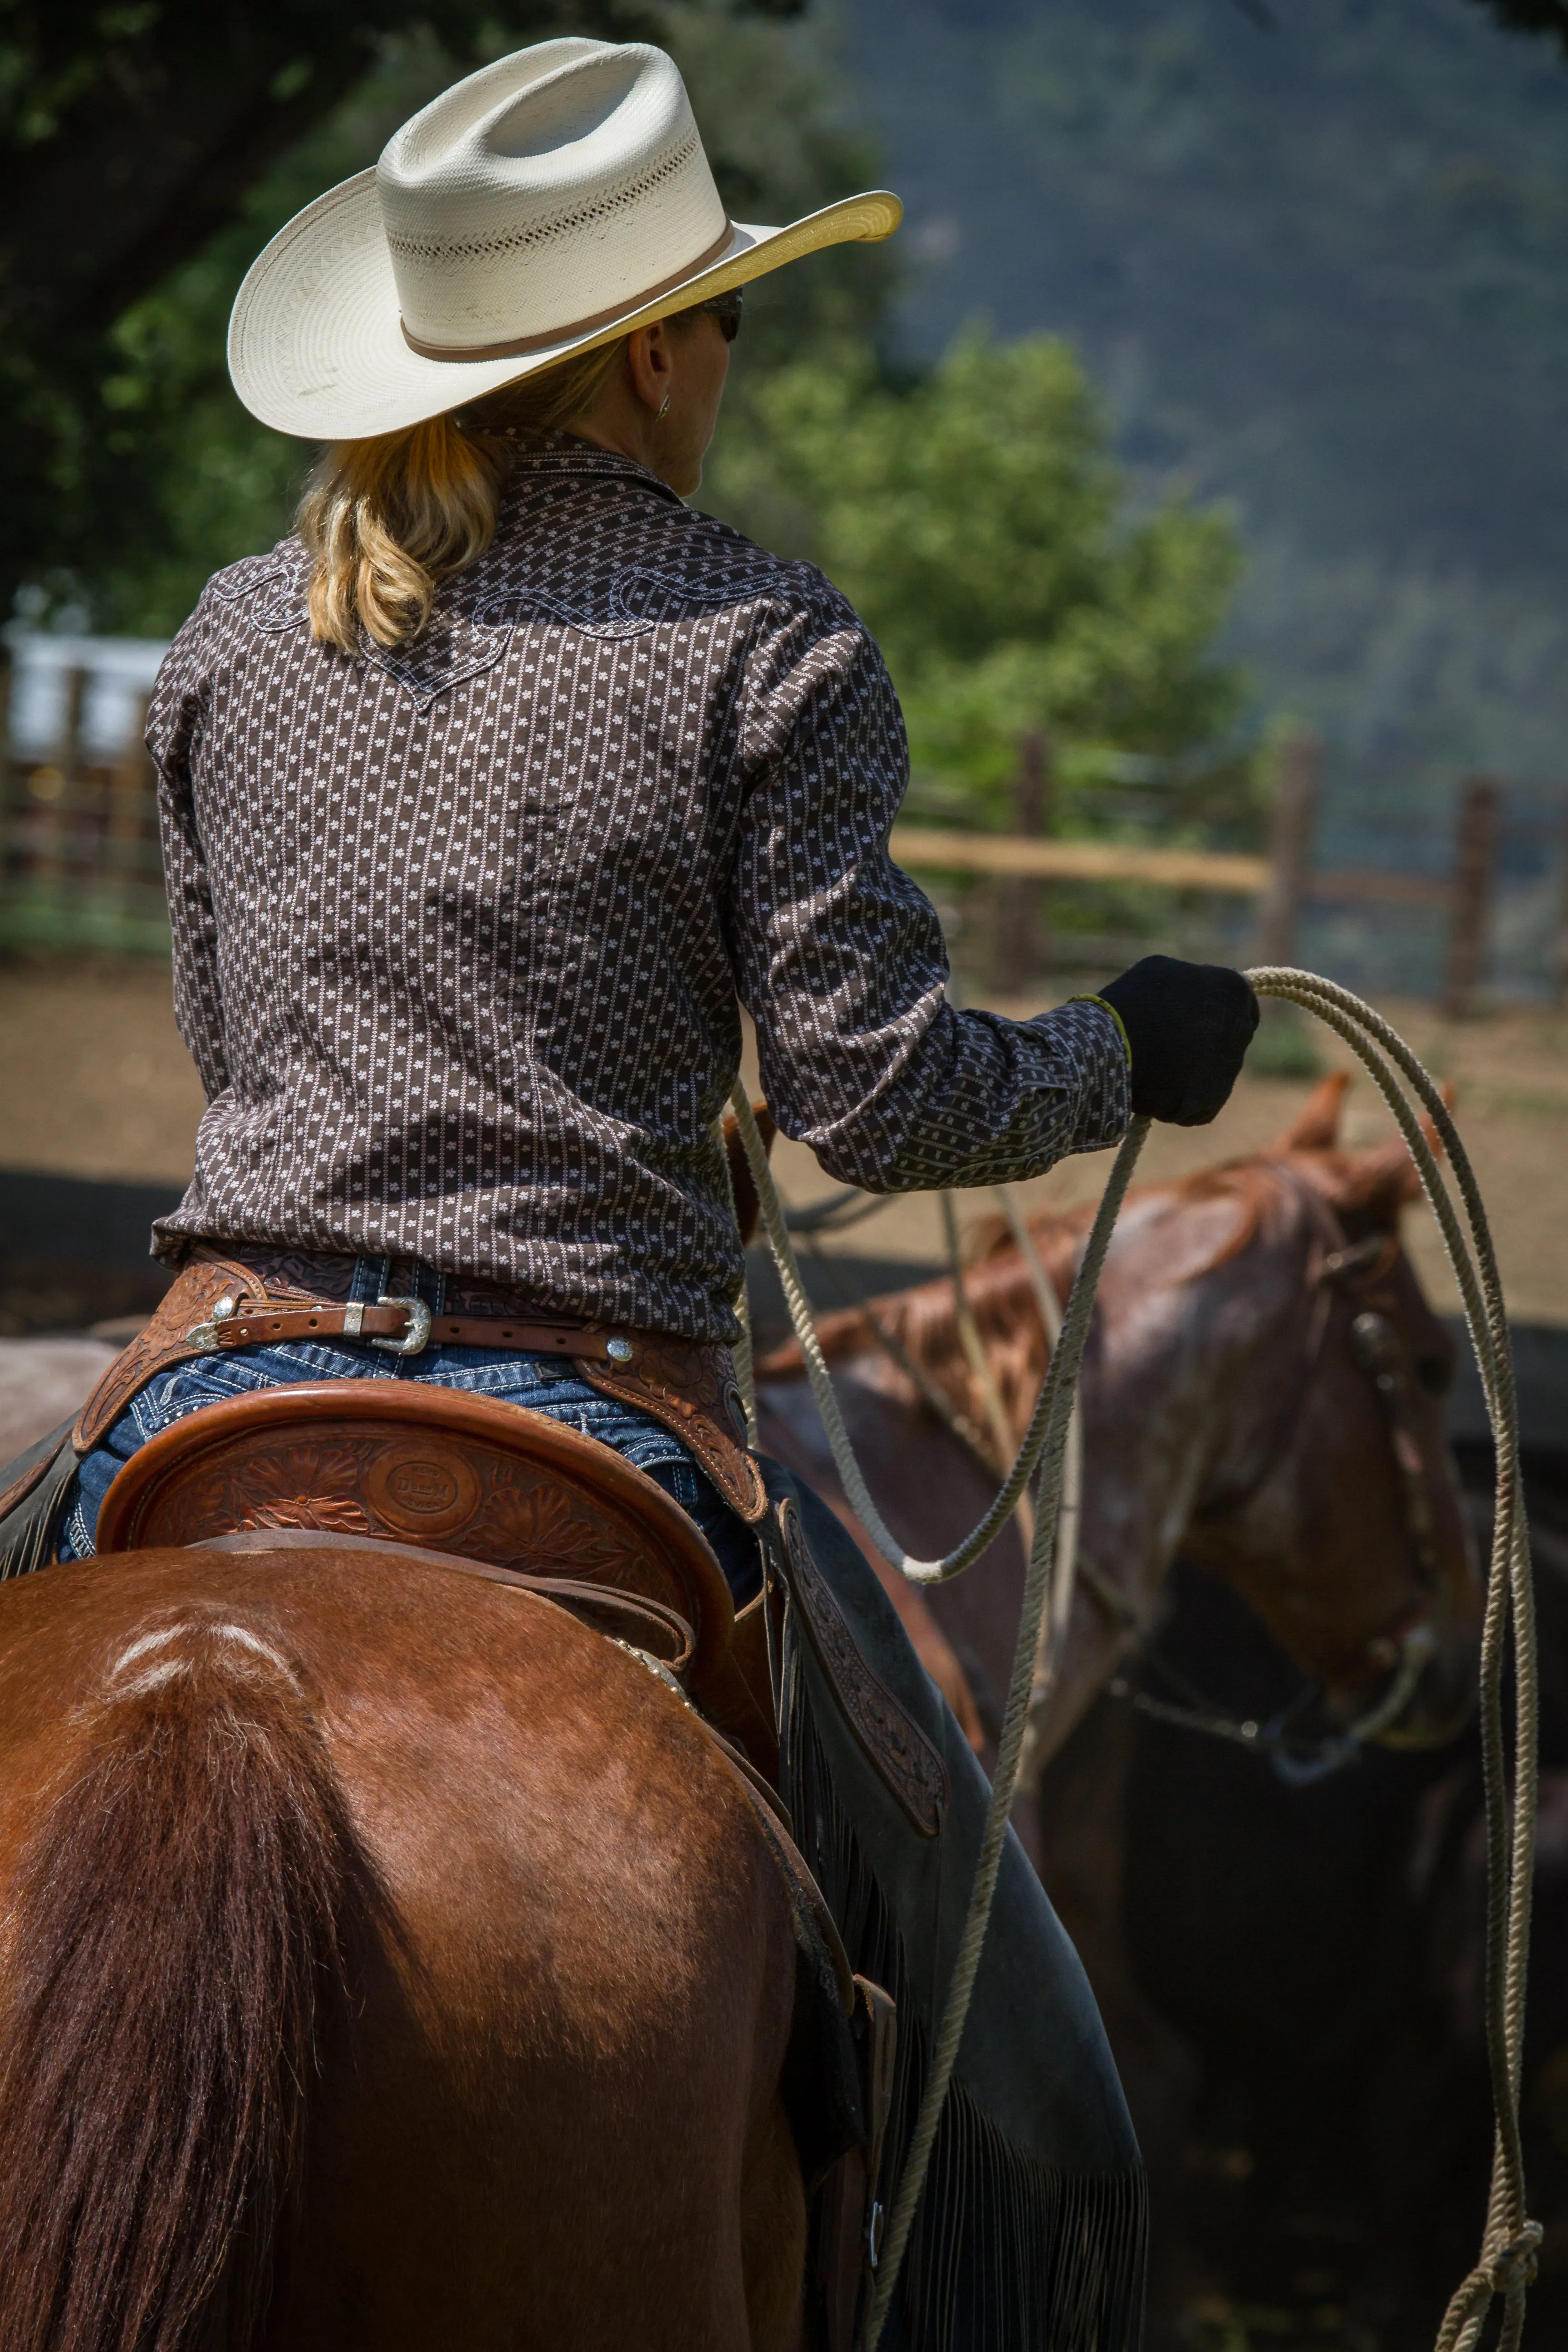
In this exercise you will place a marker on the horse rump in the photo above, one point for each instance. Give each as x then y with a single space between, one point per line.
172 1922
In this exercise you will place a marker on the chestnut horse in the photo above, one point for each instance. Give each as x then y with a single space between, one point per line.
359 1988
1229 1413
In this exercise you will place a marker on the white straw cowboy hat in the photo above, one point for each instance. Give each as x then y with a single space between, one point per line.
551 200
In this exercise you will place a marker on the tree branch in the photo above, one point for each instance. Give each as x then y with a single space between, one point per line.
121 151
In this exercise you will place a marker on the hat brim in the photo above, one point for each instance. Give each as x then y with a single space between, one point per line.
316 345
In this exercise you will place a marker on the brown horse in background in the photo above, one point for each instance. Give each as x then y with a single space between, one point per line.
1227 1414
383 1965
1227 1418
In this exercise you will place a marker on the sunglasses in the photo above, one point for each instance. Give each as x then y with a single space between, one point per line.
726 308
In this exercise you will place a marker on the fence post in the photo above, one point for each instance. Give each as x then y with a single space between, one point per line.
53 788
7 787
1023 931
1475 863
1557 964
132 815
1297 783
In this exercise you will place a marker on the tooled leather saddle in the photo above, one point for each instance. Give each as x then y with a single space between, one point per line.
480 1483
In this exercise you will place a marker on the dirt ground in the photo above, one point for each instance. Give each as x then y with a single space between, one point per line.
95 1082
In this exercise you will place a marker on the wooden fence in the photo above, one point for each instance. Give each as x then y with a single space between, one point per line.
1226 873
80 862
1282 882
80 858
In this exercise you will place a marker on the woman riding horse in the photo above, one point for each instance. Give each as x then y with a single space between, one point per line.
493 795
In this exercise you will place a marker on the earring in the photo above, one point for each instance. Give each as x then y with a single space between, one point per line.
663 410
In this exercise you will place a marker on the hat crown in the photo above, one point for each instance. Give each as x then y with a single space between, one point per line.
558 183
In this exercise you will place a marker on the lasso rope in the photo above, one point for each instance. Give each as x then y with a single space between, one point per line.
1061 1373
1069 1518
1507 2263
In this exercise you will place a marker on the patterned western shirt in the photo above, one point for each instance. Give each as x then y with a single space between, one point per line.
462 931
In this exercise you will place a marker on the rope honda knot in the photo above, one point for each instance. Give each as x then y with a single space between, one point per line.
1515 2264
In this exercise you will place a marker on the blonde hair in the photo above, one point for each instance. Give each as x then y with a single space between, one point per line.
386 518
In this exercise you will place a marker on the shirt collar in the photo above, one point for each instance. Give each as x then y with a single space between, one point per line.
551 455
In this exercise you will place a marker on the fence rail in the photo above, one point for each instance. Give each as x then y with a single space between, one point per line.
1081 861
1226 873
79 863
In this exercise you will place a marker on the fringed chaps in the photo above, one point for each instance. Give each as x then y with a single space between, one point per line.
35 1495
1032 2230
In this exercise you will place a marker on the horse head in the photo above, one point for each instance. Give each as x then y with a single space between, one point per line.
1263 1393
1329 1500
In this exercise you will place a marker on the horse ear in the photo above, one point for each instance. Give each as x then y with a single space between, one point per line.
748 1208
1318 1126
1383 1181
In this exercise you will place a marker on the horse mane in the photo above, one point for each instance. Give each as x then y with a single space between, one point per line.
172 1922
998 1284
1366 1190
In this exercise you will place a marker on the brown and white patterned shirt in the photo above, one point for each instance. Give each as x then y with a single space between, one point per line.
462 931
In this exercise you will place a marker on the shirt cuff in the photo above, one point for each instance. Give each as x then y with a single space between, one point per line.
1094 1043
1121 1024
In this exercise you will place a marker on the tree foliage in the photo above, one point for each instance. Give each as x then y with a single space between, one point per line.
128 133
146 150
1547 16
975 517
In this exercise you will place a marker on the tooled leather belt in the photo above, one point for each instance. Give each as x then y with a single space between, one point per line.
244 1297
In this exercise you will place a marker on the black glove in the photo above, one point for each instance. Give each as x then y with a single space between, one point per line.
1189 1026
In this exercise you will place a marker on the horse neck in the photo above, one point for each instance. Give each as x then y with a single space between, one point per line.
1192 1368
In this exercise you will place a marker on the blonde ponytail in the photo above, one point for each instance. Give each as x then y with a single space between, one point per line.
386 520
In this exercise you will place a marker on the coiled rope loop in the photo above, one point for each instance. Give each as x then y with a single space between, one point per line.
1060 1382
1507 2257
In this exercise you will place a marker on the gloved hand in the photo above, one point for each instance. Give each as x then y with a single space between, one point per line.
1188 1026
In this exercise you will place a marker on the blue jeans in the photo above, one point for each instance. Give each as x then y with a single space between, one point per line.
547 1384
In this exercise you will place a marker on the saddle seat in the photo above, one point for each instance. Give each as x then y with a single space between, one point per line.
447 1472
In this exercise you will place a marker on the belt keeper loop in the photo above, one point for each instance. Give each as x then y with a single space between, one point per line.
353 1319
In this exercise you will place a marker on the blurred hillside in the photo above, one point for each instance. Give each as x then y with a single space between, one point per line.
1317 259
1320 265
1315 256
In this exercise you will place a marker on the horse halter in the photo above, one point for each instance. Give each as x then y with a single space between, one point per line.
1359 1273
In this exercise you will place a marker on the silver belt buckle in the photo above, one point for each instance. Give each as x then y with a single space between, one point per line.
203 1337
418 1335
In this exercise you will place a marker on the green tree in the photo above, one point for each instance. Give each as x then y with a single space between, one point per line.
974 518
153 475
130 134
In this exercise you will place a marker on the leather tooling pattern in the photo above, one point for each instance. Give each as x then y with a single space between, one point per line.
162 1343
411 1488
692 1390
489 1481
900 1751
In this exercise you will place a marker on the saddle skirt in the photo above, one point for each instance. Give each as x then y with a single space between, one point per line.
446 1471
